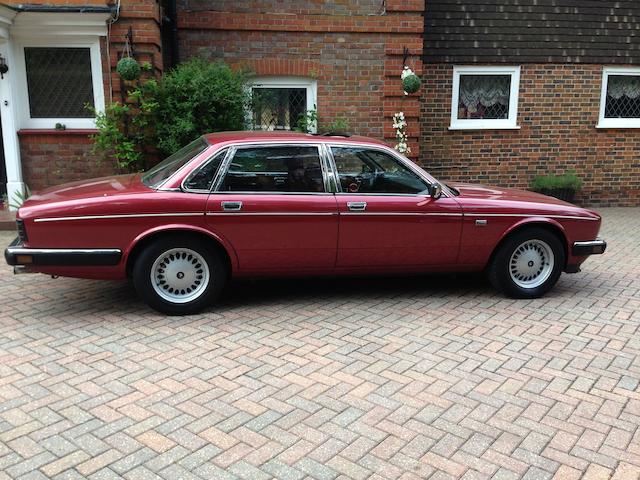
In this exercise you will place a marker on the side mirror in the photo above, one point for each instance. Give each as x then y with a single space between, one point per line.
436 191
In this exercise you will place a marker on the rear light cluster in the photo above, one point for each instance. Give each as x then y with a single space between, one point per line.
22 231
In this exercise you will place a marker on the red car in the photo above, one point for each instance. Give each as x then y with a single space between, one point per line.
246 204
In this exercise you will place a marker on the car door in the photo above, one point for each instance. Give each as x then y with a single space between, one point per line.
387 217
272 204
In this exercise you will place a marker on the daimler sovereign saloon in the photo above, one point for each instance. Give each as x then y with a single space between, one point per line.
247 204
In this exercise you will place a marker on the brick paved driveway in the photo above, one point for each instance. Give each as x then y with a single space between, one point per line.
382 379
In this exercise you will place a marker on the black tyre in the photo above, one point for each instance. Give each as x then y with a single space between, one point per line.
528 263
179 275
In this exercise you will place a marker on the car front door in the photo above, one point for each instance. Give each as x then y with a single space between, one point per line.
272 204
387 217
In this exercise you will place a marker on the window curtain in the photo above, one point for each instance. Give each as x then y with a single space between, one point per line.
486 90
623 86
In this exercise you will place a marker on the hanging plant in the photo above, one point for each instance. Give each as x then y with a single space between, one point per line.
410 81
128 68
400 126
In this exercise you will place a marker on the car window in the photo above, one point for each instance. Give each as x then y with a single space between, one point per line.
274 169
154 177
202 178
364 170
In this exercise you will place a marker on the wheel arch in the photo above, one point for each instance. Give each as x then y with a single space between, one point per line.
149 236
548 224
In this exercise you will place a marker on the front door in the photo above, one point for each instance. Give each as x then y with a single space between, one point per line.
273 207
387 217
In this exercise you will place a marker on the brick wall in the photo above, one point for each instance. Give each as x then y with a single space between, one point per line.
557 112
51 158
352 48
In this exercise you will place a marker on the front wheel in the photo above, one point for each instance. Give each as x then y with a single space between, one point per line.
528 264
179 275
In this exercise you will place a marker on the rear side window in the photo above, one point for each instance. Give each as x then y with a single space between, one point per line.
202 178
275 169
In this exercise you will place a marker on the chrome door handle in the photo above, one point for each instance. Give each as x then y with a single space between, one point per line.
357 206
231 206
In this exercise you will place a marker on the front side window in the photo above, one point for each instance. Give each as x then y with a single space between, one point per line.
59 82
282 103
484 97
363 170
295 169
620 100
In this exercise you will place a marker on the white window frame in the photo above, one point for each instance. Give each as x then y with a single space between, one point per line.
309 84
93 44
615 122
482 124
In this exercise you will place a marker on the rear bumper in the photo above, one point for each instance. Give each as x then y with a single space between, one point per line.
593 247
16 254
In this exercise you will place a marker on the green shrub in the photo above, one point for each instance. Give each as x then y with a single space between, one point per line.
196 97
199 97
568 180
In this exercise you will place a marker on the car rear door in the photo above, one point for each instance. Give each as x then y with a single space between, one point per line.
387 217
273 205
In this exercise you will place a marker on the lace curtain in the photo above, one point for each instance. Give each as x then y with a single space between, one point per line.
485 90
623 86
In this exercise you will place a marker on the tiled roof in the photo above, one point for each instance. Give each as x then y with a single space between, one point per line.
532 31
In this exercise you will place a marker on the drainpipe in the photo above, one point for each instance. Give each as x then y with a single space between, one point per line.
172 13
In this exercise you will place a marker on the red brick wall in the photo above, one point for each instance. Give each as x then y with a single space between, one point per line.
50 158
557 112
352 48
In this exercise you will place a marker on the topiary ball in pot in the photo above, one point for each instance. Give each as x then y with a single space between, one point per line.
128 68
411 83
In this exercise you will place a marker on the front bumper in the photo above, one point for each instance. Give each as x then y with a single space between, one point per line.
16 254
593 247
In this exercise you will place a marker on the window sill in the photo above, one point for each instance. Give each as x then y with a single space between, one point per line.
606 126
52 131
484 127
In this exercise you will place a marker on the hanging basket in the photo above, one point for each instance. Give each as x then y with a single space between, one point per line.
410 83
128 68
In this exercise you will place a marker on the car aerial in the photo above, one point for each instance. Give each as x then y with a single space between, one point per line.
249 204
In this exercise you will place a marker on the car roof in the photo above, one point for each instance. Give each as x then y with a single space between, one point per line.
258 136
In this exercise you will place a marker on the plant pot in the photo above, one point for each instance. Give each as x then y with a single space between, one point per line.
566 194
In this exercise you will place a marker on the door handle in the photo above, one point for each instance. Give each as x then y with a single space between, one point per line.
231 206
357 206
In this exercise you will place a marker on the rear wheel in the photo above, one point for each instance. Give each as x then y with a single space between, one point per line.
528 264
179 275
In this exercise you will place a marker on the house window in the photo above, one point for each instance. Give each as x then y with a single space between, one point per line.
484 97
59 82
620 98
63 84
281 103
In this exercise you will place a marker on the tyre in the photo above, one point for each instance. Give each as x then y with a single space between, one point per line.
179 275
528 264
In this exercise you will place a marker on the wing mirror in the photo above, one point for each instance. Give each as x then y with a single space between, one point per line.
436 191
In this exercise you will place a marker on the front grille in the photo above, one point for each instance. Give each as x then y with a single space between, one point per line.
22 231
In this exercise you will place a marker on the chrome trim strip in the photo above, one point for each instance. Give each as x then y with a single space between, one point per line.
526 215
405 214
124 215
65 251
271 214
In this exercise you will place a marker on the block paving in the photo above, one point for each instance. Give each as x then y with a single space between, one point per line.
433 377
